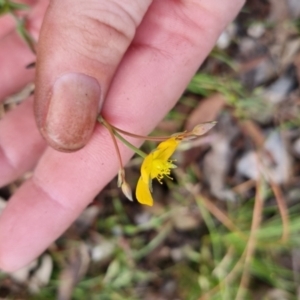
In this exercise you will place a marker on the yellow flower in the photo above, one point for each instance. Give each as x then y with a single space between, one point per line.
156 165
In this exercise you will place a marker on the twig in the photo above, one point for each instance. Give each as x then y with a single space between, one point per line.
282 210
250 248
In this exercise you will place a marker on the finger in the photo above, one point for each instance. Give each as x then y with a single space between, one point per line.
8 23
79 50
162 59
20 142
150 78
15 55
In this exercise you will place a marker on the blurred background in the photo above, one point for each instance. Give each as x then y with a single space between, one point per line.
227 226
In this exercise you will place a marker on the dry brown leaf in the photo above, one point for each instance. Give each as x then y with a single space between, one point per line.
217 161
206 111
252 129
279 10
297 64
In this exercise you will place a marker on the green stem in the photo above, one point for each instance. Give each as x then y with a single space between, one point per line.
128 144
23 32
163 233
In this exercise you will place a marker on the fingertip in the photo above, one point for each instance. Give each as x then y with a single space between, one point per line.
89 38
67 118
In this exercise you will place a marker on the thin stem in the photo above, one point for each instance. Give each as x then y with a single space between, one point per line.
250 248
149 138
180 136
23 32
282 210
111 131
115 133
155 242
130 146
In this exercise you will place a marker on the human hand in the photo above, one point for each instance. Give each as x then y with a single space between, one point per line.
141 54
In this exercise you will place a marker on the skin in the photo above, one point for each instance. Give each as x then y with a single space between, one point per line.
142 59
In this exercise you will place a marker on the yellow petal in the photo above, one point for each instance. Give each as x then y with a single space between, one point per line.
143 194
166 149
146 168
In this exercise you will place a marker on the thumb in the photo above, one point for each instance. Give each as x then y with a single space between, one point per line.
81 44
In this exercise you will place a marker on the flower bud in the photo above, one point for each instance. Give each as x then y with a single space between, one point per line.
121 177
203 128
126 190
